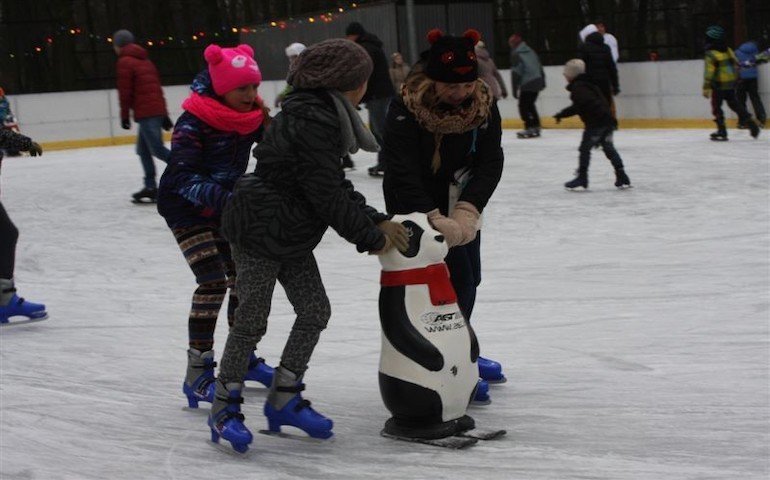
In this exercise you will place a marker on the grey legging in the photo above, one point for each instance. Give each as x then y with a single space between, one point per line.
254 285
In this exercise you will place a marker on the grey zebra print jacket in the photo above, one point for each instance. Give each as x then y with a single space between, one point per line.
298 188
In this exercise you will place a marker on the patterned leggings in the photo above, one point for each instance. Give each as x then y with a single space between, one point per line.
256 282
209 257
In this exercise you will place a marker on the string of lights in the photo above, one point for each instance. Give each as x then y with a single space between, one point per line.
41 46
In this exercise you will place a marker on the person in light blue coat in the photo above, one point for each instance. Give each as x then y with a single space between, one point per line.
527 80
747 85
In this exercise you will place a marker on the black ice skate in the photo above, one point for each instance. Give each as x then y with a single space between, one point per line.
621 179
529 133
377 170
145 195
718 136
580 181
753 128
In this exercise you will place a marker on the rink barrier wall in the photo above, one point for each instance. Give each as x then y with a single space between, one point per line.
653 95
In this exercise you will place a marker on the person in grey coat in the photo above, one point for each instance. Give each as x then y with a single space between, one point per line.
527 80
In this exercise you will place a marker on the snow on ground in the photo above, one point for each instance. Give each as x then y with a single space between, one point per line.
633 326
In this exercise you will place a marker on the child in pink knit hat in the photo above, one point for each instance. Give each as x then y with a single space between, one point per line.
210 148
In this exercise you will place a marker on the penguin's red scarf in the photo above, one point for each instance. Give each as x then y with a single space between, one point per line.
435 276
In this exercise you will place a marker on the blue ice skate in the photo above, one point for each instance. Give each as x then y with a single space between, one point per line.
199 385
226 419
294 410
491 371
259 371
481 394
18 307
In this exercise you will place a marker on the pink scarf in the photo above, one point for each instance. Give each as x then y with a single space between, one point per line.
222 117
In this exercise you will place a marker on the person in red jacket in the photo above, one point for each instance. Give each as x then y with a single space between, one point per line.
139 89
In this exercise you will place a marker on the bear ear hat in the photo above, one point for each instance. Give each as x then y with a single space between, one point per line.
434 35
473 35
213 54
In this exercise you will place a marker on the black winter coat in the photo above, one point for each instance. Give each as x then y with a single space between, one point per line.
298 188
380 85
600 67
410 184
588 102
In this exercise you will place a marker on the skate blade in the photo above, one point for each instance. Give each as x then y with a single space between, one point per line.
199 409
480 403
624 187
226 448
502 379
24 322
576 189
455 442
144 202
294 436
483 434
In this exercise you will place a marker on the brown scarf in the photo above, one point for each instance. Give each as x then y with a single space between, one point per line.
419 94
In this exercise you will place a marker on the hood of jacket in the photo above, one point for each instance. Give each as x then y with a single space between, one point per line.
369 38
133 50
596 38
202 85
749 48
313 104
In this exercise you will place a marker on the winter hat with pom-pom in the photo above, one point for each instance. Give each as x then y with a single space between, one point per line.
573 68
452 59
231 68
334 64
715 32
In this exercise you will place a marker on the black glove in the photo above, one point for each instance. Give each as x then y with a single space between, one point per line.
167 123
35 149
125 124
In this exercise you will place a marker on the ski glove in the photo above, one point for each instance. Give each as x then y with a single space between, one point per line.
467 216
448 227
35 149
167 123
397 234
125 124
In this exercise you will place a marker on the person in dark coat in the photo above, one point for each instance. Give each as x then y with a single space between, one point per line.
442 149
140 91
380 90
276 218
589 102
600 67
11 305
210 147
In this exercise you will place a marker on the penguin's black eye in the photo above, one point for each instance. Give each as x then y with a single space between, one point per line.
439 238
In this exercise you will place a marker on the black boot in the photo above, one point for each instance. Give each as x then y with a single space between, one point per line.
580 181
621 179
753 128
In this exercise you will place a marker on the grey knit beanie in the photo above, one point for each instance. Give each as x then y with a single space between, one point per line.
335 64
121 38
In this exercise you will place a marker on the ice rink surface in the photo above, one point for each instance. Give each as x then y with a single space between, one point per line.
633 326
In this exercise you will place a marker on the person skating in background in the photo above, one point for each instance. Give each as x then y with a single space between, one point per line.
11 305
140 91
276 218
719 78
609 39
489 73
748 81
292 52
223 117
527 80
442 149
380 90
398 70
600 67
591 105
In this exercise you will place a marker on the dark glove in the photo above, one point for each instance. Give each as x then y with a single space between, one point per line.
35 150
125 124
397 234
167 124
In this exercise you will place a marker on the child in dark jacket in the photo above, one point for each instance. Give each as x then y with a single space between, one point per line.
591 105
276 218
210 147
11 305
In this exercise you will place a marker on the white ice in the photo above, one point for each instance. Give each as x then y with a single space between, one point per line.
633 326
